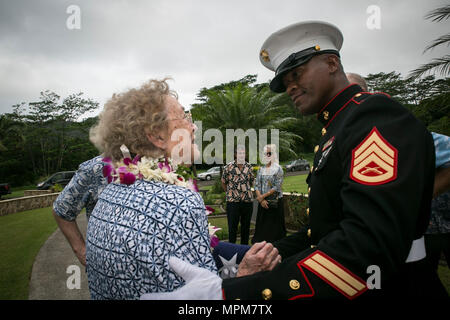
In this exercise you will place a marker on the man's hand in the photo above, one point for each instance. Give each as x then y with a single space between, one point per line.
201 284
262 256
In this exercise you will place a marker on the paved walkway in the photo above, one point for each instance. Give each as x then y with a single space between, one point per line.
49 276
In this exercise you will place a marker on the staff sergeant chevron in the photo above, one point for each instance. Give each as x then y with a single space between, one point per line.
374 160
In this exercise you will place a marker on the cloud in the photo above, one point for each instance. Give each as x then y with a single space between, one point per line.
200 43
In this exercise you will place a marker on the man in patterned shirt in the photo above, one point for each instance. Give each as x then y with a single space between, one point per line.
81 192
237 179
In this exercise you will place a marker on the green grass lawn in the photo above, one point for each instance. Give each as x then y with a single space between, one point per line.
223 224
206 188
220 223
22 234
295 184
444 275
18 192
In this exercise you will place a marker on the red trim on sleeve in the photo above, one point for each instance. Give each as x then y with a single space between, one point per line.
359 102
305 295
334 274
383 93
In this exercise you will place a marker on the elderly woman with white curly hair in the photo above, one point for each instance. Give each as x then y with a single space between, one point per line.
149 210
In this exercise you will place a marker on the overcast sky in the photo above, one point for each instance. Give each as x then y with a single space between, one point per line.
199 43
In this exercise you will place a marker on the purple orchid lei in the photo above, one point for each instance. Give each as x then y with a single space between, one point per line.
127 171
214 240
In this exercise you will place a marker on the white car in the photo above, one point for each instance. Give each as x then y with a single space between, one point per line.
214 172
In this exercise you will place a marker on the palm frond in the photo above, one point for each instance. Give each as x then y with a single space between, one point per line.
283 121
440 65
439 14
286 135
438 41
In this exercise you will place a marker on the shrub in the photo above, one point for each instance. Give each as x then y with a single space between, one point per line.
217 187
57 188
296 216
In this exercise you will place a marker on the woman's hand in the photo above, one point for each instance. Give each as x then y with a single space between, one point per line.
260 198
264 204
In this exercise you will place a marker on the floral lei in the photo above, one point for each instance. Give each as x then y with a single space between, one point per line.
143 168
163 170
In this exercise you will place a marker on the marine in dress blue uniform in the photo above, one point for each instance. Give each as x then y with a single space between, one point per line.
370 190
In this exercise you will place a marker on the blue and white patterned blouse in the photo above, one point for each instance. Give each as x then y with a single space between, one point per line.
269 178
132 232
82 191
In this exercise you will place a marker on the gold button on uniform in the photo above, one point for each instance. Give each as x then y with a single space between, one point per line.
266 294
326 115
357 95
317 47
307 211
316 148
324 131
309 233
294 284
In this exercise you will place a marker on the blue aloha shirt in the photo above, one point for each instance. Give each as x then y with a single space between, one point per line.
133 231
82 191
440 206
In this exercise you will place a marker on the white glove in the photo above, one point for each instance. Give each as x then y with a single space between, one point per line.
201 284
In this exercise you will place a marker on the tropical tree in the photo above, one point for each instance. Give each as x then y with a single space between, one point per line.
10 132
248 80
428 98
43 137
441 65
244 107
393 84
434 110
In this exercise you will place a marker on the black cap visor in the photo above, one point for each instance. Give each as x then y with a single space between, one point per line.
293 61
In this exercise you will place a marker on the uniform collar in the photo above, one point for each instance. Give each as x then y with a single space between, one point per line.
333 107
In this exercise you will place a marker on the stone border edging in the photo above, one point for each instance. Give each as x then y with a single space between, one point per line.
27 203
